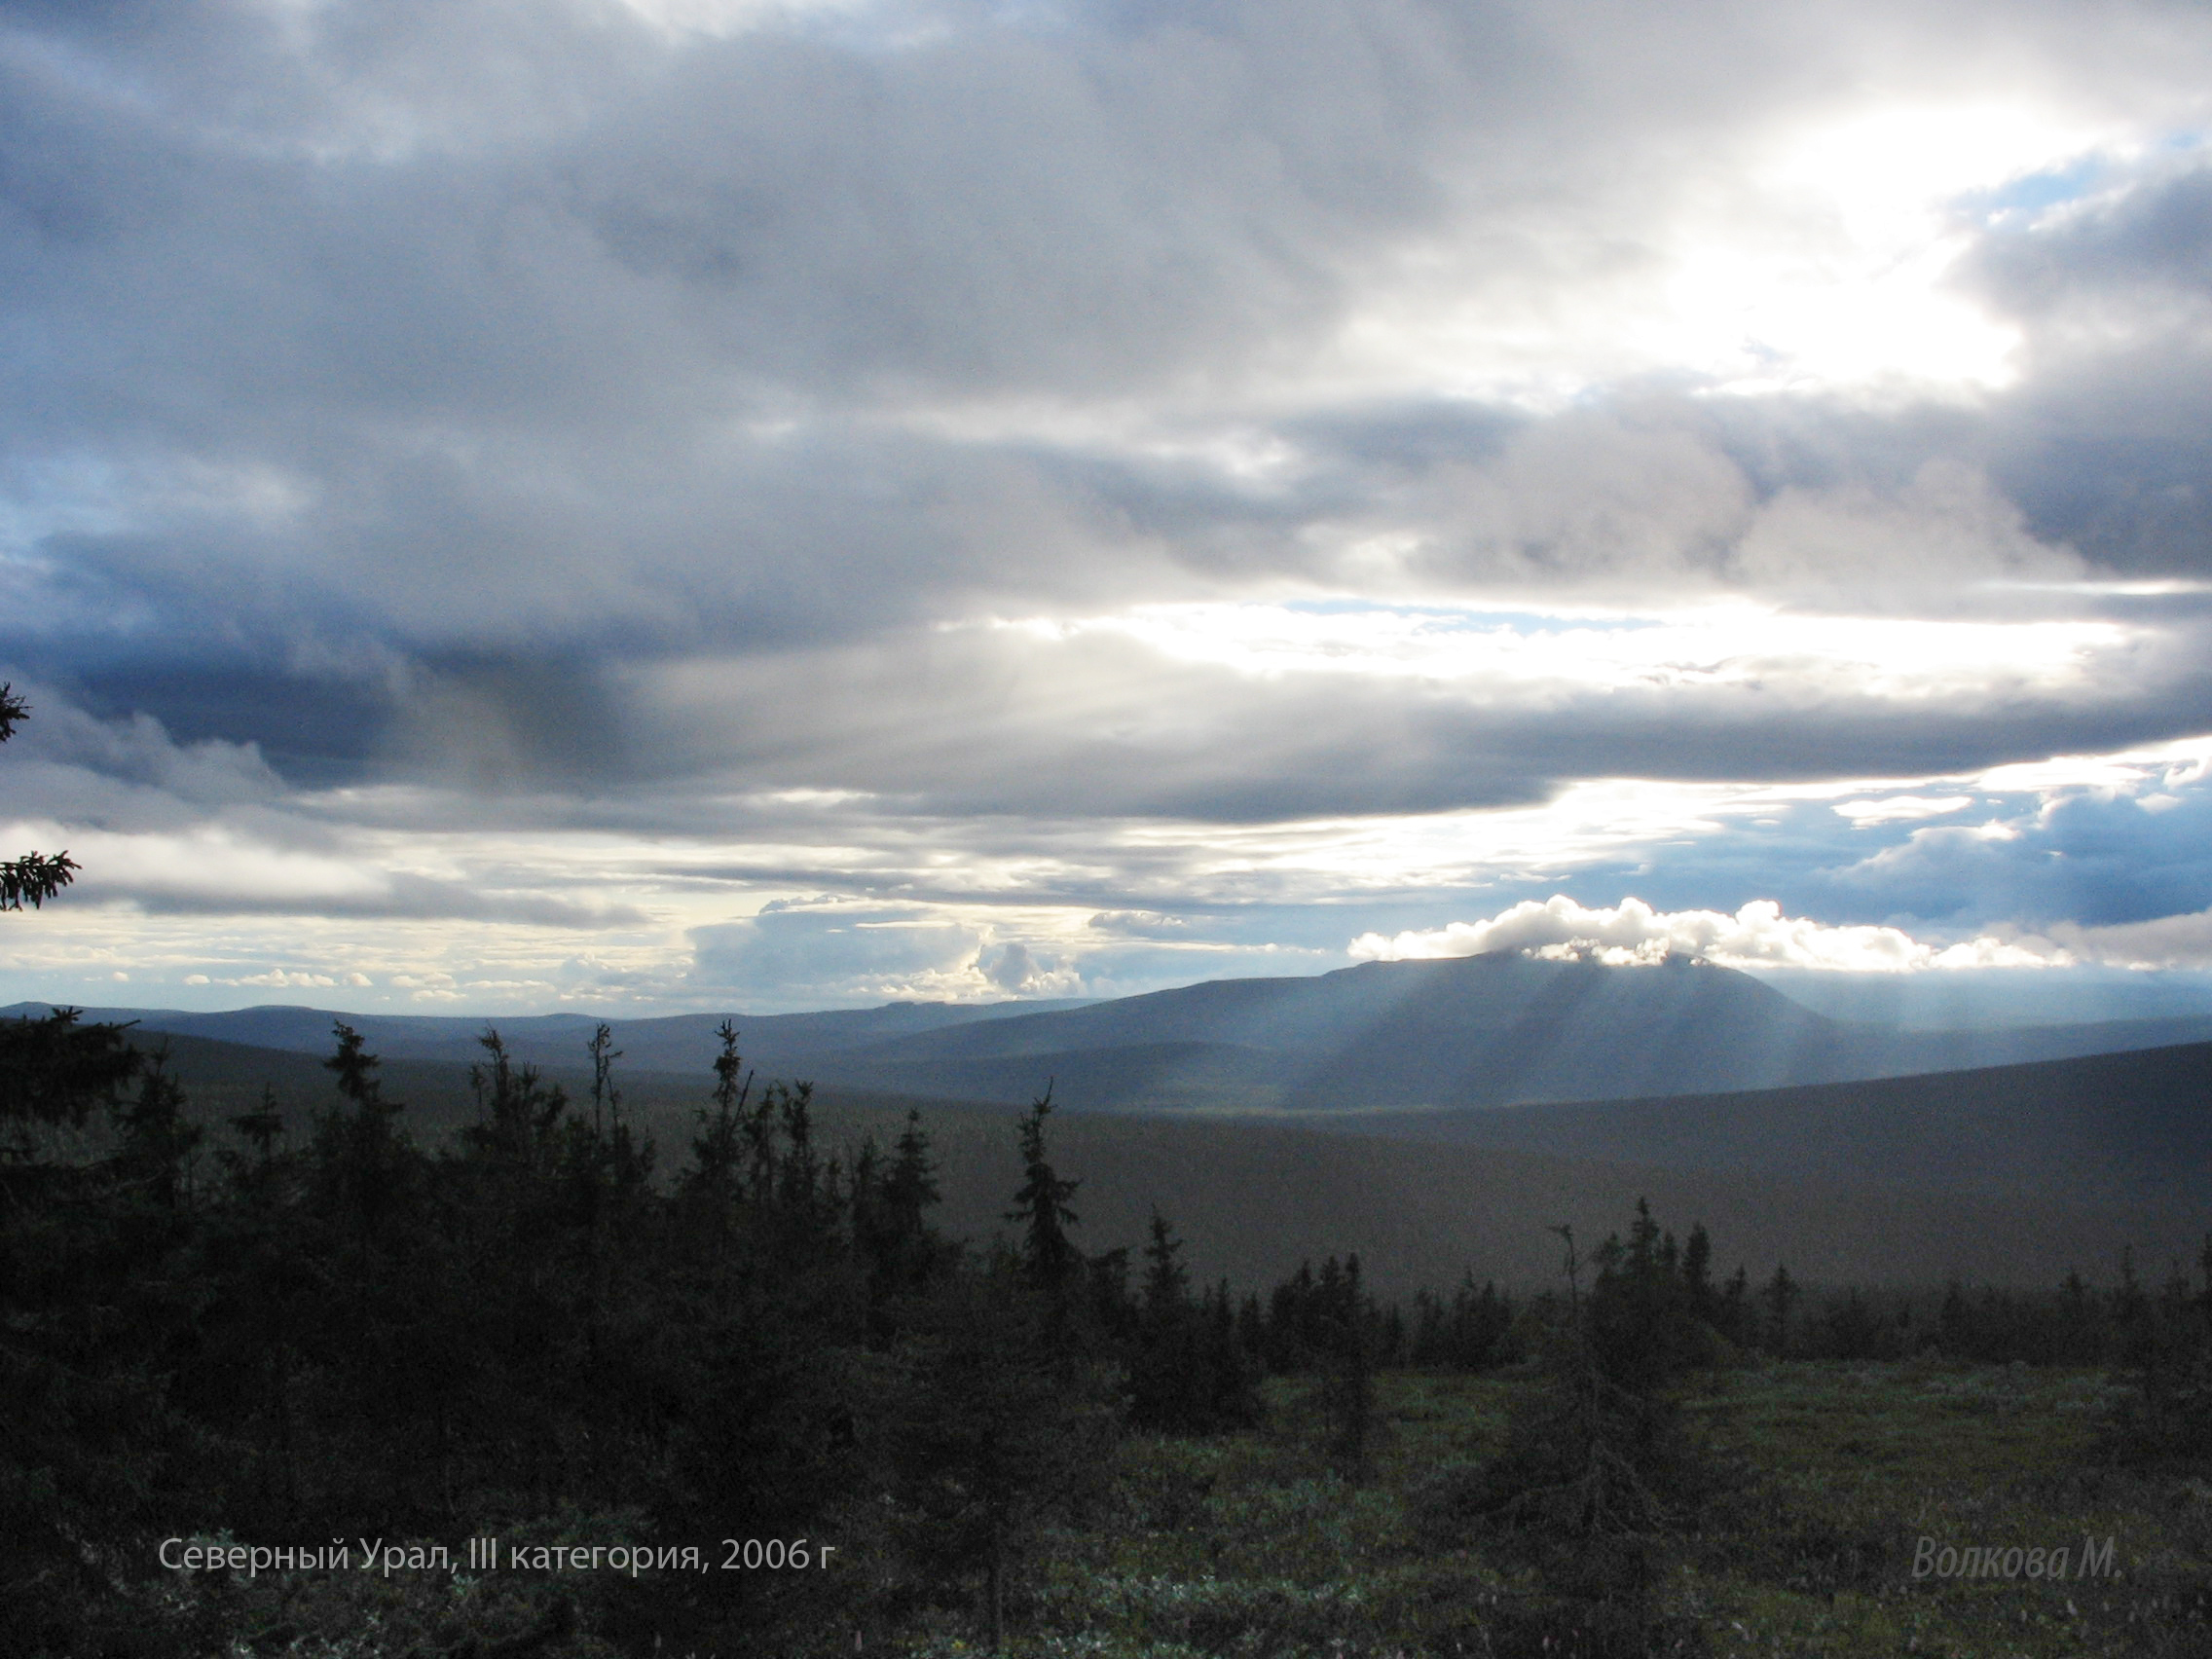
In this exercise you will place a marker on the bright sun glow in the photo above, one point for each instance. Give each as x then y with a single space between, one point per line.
721 17
1861 296
1825 265
1712 646
1890 175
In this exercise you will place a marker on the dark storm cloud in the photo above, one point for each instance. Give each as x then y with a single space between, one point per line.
208 828
127 772
2152 237
403 897
670 230
2108 440
309 729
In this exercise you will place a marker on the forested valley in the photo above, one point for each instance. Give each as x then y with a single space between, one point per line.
269 1397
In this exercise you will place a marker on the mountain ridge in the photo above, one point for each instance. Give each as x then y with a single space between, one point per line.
1466 1031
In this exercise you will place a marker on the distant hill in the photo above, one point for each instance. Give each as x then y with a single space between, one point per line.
683 1042
1470 1031
1980 998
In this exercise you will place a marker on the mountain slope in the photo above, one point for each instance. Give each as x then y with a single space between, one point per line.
2124 1128
1253 1197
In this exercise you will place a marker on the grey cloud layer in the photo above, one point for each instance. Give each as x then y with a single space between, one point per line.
2106 441
442 381
1004 727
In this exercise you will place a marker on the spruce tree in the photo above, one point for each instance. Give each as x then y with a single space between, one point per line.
1166 1285
995 1431
53 1071
714 1150
157 1138
912 1184
889 1226
35 877
2204 1291
357 1154
1735 1310
606 1098
1780 1295
1041 1206
515 1111
1167 1385
1347 1391
1697 1272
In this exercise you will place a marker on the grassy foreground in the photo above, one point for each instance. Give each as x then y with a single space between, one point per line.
1828 1477
1825 1478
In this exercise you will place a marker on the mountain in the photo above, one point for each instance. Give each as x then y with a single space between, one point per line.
1468 1031
1471 1029
1483 1030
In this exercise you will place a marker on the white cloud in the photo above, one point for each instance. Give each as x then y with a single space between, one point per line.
1633 934
720 19
1722 644
1901 809
1017 971
2172 765
828 953
215 864
283 978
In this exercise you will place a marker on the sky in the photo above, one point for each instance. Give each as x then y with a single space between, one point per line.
646 505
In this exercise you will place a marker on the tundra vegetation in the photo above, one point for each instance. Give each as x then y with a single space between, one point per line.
316 1371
